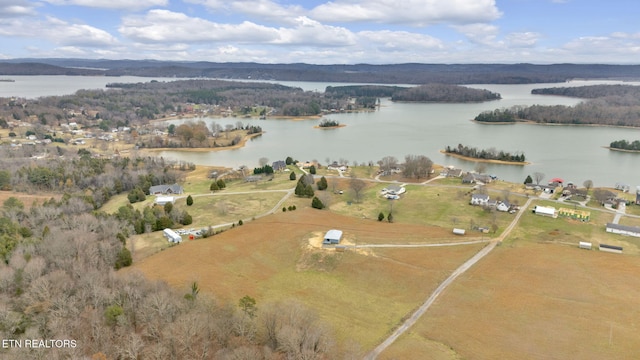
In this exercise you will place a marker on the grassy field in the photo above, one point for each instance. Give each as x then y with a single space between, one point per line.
534 301
361 295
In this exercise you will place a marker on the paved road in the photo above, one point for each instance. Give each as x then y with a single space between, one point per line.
434 295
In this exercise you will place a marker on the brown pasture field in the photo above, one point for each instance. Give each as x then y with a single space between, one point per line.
362 295
27 199
534 301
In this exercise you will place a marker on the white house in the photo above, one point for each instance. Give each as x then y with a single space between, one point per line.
479 199
503 206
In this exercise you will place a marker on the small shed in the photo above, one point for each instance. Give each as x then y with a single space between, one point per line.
611 248
332 237
458 231
585 245
162 200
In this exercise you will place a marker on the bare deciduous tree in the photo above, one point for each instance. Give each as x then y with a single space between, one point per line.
357 186
537 177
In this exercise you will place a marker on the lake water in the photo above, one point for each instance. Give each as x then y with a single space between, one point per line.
574 153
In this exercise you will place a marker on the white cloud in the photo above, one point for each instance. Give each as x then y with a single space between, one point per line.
16 8
484 34
168 26
58 32
64 33
163 26
112 4
400 41
409 12
522 39
311 32
257 9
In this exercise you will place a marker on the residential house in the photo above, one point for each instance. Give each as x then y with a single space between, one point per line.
279 165
450 172
479 199
503 206
166 189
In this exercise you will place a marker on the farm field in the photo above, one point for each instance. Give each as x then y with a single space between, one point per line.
534 301
362 295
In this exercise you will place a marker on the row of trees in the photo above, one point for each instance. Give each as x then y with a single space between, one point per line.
626 145
488 154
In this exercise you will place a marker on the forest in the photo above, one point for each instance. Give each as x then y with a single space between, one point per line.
58 278
485 154
612 105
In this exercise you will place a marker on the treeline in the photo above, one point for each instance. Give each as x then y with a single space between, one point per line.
611 111
329 123
423 93
625 145
444 93
411 73
486 154
498 115
591 91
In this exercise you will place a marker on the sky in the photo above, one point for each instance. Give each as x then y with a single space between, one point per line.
325 32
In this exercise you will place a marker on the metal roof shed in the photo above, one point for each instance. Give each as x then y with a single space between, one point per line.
332 237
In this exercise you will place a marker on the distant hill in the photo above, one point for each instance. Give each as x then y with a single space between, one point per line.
360 73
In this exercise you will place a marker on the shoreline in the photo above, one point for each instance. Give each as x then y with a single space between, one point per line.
622 150
486 160
239 145
328 127
531 122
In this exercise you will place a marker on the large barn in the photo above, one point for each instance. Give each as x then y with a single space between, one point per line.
332 237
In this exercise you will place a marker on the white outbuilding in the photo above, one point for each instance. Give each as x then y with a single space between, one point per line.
332 237
172 236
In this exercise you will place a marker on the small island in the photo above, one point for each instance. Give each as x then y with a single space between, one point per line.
485 155
624 145
329 124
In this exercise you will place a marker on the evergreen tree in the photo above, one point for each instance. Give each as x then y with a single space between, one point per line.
390 217
317 203
214 186
221 184
380 216
312 170
292 176
322 184
308 191
528 180
189 200
300 188
288 160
